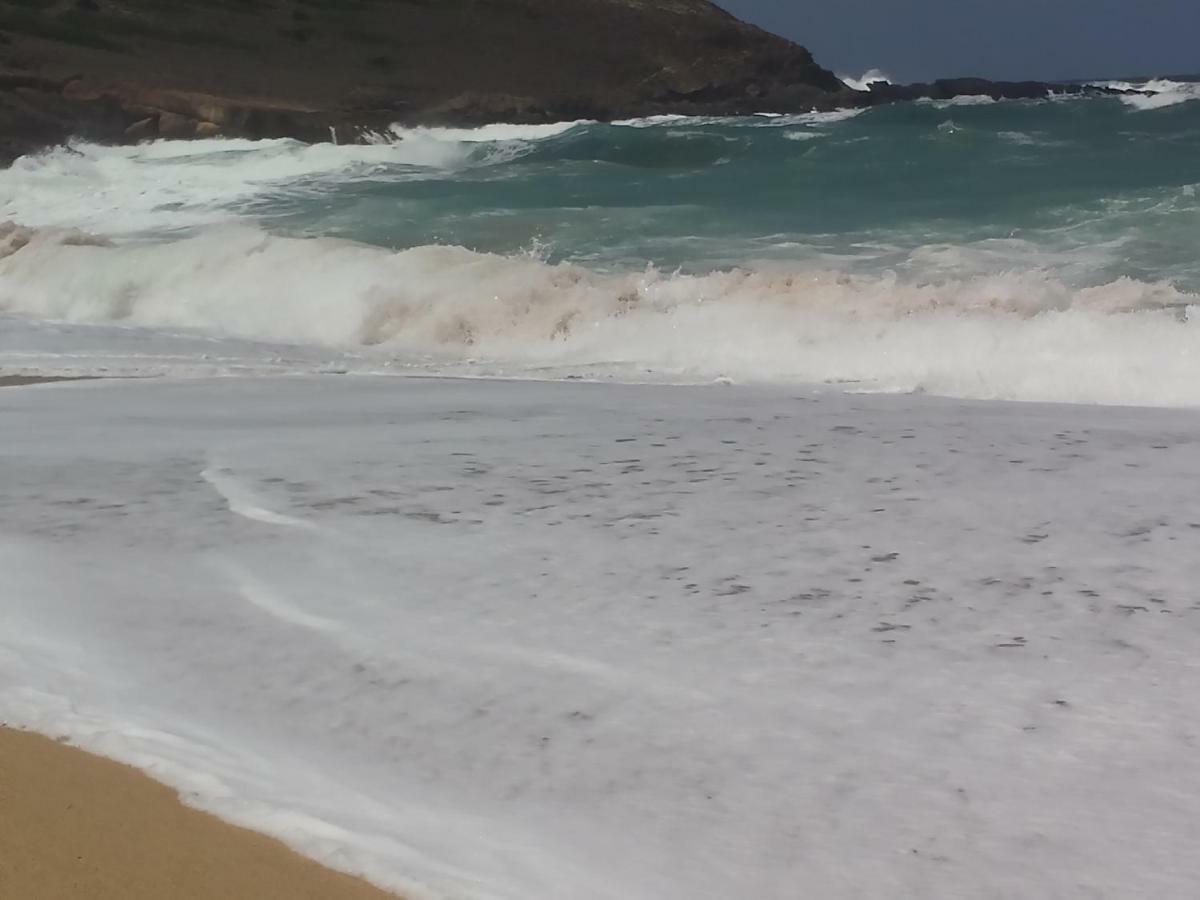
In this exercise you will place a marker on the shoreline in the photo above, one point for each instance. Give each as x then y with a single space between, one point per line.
26 380
78 825
764 388
841 530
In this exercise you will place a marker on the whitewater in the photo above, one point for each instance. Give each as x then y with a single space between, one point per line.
1025 251
787 506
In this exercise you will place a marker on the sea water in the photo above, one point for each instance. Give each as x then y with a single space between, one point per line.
823 635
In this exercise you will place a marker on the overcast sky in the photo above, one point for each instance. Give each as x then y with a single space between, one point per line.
913 40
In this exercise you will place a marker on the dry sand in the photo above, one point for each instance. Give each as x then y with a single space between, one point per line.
78 827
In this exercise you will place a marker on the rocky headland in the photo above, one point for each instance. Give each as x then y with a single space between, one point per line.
121 71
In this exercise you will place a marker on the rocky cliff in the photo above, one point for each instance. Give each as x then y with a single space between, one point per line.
128 69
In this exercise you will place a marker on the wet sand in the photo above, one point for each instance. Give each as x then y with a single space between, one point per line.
73 825
22 380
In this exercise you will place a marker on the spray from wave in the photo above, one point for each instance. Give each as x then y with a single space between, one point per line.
1157 93
864 81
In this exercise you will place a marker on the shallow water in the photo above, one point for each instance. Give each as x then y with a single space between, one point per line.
489 640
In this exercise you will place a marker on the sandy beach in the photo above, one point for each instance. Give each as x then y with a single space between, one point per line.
80 826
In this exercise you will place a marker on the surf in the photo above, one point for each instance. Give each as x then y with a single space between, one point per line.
856 248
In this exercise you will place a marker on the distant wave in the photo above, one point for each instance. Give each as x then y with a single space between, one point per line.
1160 92
761 120
961 100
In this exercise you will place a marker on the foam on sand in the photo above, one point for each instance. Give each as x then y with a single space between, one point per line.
600 641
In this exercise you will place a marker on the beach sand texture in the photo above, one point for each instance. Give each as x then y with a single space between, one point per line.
74 825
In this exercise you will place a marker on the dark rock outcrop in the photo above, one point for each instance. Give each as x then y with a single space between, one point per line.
126 70
121 71
947 88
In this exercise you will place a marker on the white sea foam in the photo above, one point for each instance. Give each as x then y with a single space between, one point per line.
487 134
652 121
1166 93
567 642
1003 334
176 185
961 100
759 120
828 117
167 185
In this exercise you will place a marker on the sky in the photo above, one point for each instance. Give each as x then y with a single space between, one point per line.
915 40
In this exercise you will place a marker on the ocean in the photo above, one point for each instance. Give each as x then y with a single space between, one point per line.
1012 250
730 571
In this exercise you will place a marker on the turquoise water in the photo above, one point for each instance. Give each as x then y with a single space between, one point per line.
1092 188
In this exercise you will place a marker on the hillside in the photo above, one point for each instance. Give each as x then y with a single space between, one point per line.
128 69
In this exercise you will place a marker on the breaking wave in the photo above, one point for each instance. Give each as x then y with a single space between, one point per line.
1026 335
864 81
1157 93
175 185
861 248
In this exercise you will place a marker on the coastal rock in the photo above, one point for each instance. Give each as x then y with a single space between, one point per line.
176 127
947 88
120 72
277 68
142 130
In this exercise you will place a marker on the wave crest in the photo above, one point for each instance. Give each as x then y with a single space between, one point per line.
1017 336
1158 93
